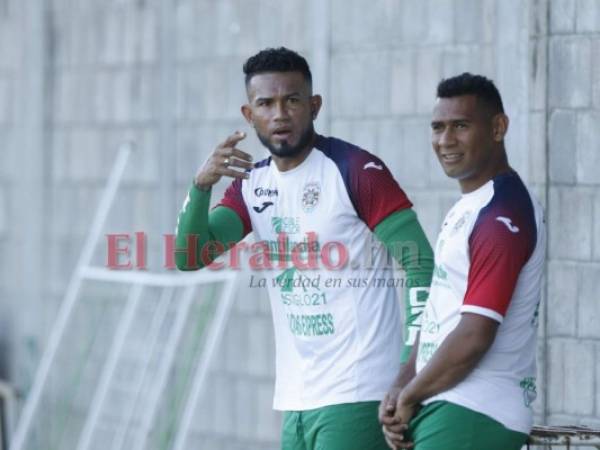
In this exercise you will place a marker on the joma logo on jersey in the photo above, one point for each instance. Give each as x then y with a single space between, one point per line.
508 222
310 196
261 208
372 165
288 225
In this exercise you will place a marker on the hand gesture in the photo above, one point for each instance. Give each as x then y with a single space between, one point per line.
221 161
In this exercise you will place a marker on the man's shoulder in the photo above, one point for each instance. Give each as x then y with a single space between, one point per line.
331 144
347 155
511 209
263 163
259 171
509 194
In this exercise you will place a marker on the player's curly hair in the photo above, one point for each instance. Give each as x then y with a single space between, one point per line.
468 84
276 60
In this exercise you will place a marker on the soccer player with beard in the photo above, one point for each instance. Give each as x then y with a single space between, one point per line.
338 345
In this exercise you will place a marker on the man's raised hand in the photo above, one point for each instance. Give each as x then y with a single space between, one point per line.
221 161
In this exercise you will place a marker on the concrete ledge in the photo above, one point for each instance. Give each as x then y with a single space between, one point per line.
566 435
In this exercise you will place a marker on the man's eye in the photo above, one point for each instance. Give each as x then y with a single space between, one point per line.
461 125
294 100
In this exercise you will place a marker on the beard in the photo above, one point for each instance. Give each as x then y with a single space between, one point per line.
285 150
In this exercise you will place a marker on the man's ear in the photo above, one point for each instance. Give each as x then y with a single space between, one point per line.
247 113
316 101
499 126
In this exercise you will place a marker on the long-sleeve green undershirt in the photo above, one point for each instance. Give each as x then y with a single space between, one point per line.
222 225
400 232
404 238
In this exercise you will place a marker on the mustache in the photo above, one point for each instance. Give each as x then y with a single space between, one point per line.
285 149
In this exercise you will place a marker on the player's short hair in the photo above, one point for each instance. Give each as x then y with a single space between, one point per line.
468 84
276 60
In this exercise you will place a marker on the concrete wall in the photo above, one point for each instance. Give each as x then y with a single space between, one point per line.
9 75
573 115
168 74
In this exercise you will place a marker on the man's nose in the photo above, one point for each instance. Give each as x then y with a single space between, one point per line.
281 112
447 137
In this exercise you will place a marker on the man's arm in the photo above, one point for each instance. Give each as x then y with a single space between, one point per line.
210 234
393 429
384 207
458 355
405 375
405 240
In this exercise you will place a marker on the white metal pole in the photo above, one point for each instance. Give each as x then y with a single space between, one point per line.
109 368
216 331
70 298
167 362
149 351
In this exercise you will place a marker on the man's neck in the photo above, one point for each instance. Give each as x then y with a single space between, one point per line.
474 182
288 163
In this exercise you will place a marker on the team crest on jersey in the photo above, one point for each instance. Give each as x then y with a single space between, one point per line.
310 196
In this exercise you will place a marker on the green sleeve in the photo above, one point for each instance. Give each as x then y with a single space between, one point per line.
404 238
221 228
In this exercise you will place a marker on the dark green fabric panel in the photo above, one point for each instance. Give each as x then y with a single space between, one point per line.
405 239
222 227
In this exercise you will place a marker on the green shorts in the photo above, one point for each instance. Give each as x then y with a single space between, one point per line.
349 426
444 425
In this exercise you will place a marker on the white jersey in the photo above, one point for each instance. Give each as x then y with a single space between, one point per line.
489 260
337 329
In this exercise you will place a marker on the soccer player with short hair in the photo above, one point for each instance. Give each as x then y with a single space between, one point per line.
338 346
470 382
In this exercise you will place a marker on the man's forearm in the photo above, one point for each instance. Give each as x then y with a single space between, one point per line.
208 234
409 370
405 240
453 361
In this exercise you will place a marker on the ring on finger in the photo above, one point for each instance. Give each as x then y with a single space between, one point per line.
226 162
